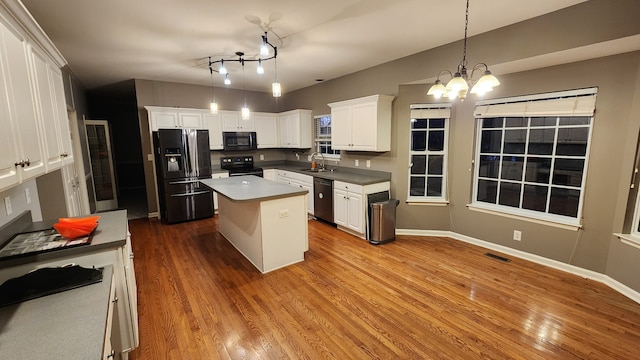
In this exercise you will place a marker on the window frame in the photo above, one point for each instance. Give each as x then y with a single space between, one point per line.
318 139
430 112
546 216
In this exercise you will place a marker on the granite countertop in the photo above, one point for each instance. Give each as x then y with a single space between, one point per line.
251 188
360 177
111 232
67 325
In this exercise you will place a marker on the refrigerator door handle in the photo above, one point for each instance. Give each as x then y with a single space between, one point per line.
183 182
189 194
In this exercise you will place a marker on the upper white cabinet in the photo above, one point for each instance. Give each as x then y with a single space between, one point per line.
175 118
213 123
22 142
51 109
295 129
231 121
266 130
362 124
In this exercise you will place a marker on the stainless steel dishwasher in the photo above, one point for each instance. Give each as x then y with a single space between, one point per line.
323 199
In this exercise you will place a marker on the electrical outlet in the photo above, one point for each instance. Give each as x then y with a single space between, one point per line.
368 163
309 158
517 235
27 195
261 156
284 213
357 162
7 205
149 157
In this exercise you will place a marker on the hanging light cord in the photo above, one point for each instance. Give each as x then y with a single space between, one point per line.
213 93
463 63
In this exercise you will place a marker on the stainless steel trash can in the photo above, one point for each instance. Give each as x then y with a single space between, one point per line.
383 221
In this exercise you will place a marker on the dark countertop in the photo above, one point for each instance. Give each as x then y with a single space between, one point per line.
352 176
251 188
111 232
67 325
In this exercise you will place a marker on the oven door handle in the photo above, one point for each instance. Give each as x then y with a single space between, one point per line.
189 194
183 182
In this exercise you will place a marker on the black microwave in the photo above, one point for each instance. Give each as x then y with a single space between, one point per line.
239 141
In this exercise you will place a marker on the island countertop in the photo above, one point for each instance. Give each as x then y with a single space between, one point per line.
251 188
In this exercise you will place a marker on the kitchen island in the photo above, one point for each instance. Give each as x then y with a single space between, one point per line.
266 221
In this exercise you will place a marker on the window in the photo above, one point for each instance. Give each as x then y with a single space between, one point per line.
531 155
323 137
428 152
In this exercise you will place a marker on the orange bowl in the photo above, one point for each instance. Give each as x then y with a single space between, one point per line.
72 230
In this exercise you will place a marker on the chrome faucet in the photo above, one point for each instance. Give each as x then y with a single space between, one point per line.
321 155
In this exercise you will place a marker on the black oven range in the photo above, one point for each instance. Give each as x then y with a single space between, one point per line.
240 165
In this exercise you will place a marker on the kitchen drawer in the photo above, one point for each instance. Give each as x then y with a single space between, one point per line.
339 185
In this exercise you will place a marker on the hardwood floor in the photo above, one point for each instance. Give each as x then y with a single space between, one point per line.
415 298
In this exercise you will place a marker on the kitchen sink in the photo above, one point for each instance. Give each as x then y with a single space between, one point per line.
315 170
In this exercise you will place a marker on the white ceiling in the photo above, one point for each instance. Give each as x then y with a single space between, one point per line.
169 40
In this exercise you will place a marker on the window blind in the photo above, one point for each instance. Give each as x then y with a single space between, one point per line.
579 105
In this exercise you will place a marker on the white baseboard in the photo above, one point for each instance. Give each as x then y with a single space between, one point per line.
154 214
572 269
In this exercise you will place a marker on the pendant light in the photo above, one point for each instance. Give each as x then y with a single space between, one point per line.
276 89
458 86
245 113
214 104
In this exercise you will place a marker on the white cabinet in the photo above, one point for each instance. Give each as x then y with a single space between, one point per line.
362 124
266 130
175 118
298 180
22 157
219 175
349 205
51 109
107 350
269 174
231 121
213 123
295 129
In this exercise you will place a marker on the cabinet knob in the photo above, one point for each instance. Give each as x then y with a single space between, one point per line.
112 354
27 162
115 300
21 163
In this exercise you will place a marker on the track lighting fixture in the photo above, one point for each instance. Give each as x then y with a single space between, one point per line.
265 50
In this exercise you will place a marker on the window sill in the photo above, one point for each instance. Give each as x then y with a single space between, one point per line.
554 223
629 240
427 202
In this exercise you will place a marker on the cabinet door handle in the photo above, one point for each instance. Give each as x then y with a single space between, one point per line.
115 300
112 354
27 162
21 163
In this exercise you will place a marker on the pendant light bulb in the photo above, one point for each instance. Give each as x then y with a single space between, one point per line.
264 49
223 70
227 81
214 107
246 114
260 69
276 89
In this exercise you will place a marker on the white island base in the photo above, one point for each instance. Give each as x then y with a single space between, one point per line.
266 221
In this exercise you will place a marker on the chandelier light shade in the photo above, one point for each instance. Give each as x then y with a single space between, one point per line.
276 89
266 52
458 85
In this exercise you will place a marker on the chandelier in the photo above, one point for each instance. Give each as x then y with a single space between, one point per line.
458 86
267 52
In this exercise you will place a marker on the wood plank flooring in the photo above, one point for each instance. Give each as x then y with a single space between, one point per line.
415 298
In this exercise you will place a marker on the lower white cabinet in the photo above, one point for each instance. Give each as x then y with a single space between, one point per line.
349 205
298 180
220 175
108 352
269 174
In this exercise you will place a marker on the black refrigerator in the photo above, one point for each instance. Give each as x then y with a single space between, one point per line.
182 159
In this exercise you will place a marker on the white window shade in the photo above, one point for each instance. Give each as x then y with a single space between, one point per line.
582 105
430 113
